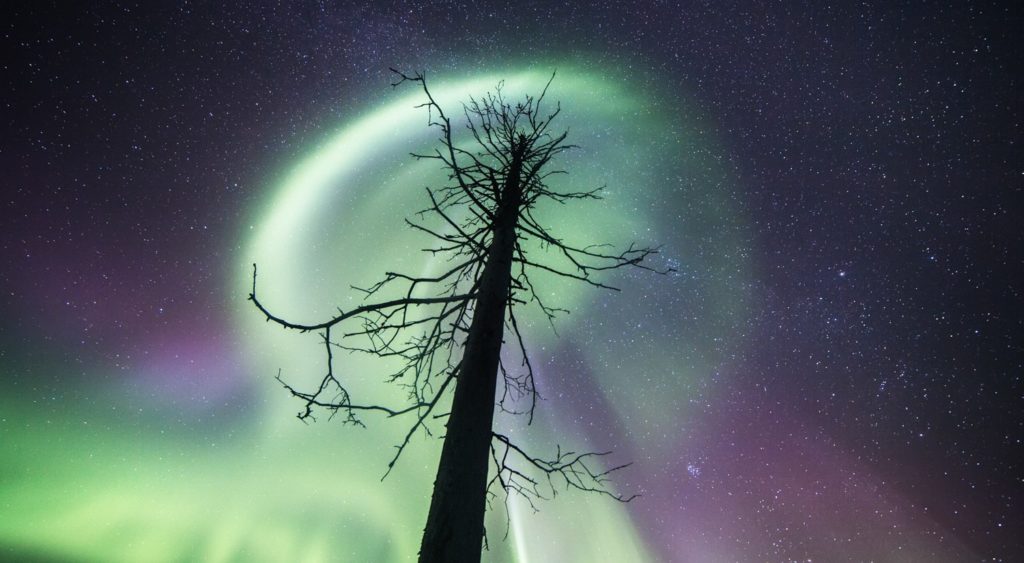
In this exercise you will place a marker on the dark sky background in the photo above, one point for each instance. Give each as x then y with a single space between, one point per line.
875 151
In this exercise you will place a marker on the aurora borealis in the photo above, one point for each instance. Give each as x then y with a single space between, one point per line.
832 374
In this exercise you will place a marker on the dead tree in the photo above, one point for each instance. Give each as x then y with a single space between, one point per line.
447 331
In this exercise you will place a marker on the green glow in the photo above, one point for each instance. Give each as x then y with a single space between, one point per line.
107 481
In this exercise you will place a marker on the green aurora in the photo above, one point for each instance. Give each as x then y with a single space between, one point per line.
144 476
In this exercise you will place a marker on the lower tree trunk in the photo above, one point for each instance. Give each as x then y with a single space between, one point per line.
455 524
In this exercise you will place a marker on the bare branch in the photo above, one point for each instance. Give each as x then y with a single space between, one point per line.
270 317
568 470
479 222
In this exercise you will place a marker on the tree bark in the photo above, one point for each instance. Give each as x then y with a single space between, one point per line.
455 524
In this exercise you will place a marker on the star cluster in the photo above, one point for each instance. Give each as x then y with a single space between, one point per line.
833 373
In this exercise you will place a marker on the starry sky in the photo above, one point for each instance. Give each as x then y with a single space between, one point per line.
832 374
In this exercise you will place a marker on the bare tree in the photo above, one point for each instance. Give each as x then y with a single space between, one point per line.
446 332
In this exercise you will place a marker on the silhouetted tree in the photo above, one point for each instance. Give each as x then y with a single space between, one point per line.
447 330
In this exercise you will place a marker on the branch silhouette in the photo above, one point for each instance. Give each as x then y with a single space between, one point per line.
447 330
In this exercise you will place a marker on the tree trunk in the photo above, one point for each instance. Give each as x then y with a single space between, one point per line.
455 523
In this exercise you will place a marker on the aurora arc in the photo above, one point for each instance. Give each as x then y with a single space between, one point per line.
265 487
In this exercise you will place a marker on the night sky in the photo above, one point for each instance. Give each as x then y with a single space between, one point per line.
834 373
